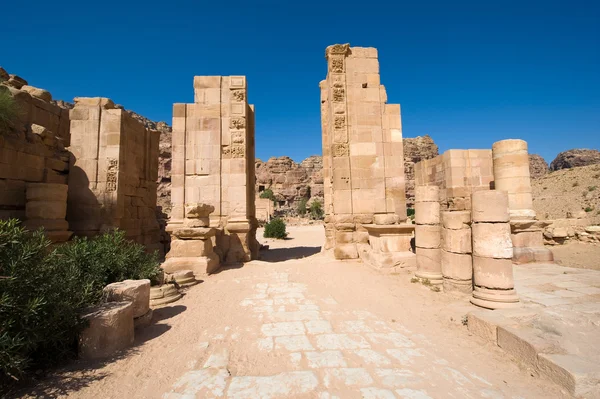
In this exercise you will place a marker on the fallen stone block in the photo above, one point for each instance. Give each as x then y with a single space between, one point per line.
484 324
524 344
163 295
135 291
110 329
144 320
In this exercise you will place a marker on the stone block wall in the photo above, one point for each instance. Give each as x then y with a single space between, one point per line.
363 163
113 173
32 149
213 163
458 173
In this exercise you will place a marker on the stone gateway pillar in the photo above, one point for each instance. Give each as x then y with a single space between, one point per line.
213 164
363 161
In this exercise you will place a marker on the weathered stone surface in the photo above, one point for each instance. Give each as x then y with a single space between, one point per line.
457 266
38 93
110 329
198 211
490 206
163 295
428 236
575 157
492 240
427 213
429 264
188 233
493 273
135 291
456 220
538 166
190 248
415 150
457 241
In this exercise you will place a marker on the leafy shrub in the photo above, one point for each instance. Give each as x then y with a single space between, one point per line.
275 229
110 258
316 211
43 291
302 207
268 193
588 209
40 299
410 212
8 109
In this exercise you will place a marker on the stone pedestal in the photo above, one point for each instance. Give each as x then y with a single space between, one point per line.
163 295
428 234
110 329
456 259
46 208
492 251
192 243
511 174
390 248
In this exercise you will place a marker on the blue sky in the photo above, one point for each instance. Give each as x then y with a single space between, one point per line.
468 73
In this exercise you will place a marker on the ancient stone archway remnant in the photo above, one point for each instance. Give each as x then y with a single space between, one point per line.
213 165
363 162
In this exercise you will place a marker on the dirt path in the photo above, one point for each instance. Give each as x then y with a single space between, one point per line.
298 324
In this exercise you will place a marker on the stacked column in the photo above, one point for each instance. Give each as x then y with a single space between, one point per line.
511 174
46 208
492 251
428 234
457 266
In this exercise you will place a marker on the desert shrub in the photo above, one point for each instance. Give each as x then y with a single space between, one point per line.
302 207
268 193
40 299
43 291
316 210
275 229
410 212
592 188
8 109
110 258
588 209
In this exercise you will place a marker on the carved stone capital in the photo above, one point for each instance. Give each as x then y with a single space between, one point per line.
337 49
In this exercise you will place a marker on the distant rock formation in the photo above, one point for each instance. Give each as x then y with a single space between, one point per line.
290 181
538 166
415 150
575 157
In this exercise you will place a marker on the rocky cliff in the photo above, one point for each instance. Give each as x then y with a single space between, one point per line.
574 158
415 150
538 166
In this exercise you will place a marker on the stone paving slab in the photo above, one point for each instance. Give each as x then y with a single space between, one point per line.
332 354
556 331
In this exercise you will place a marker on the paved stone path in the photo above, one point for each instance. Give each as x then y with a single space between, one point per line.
330 353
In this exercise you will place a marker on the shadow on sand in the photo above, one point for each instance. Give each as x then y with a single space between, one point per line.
79 374
282 254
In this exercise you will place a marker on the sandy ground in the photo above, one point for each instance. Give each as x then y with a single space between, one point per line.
298 324
577 254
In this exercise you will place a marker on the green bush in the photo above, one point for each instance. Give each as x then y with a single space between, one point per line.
110 258
268 193
302 207
40 299
316 211
410 212
588 209
8 109
43 291
275 229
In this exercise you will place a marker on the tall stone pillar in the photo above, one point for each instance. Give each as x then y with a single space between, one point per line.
213 164
428 234
457 263
511 174
492 251
362 154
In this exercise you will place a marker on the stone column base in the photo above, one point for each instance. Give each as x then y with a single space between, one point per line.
495 299
459 286
201 266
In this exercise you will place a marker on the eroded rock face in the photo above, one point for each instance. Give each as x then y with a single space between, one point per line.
575 157
415 150
289 180
538 166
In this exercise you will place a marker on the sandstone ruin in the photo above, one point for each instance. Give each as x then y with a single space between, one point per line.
363 165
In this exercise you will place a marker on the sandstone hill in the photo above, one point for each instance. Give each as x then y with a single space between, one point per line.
568 193
575 157
538 166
